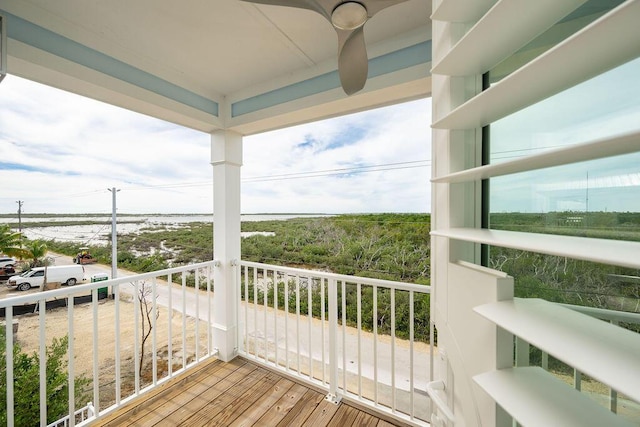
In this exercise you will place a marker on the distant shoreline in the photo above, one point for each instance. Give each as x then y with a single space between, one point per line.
83 215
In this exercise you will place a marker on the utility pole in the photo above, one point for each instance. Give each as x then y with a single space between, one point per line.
114 243
19 202
586 216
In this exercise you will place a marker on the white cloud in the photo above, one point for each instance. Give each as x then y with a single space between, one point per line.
392 135
60 152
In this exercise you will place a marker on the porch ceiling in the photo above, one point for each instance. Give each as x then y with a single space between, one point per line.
214 64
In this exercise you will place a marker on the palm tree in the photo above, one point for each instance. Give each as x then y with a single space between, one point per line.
11 242
37 250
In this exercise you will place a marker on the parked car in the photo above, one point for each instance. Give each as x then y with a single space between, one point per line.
67 274
6 272
6 261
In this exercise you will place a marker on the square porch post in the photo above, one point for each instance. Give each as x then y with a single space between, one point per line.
226 159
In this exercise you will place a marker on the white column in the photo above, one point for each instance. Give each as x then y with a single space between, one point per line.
226 159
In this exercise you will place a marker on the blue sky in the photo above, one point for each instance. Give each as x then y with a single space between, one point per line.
604 106
59 153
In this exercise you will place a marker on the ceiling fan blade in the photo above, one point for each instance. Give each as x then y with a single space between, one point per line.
353 64
300 4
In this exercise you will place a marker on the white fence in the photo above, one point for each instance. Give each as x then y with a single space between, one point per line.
356 338
171 319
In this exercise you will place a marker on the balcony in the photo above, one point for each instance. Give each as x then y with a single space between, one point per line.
335 346
311 346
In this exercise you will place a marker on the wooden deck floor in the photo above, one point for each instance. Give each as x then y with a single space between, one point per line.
239 393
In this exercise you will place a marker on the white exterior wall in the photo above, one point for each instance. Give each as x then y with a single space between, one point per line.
467 344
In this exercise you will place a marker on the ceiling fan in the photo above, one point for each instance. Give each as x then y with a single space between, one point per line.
348 19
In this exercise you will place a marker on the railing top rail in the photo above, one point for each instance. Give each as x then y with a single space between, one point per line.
425 289
87 287
605 314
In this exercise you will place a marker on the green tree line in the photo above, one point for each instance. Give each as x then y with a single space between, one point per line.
385 246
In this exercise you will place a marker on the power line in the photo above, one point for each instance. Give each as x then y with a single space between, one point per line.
341 171
334 171
299 175
266 178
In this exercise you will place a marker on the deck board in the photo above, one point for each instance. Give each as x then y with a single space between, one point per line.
281 408
345 416
164 395
383 423
303 409
262 403
238 393
322 414
237 408
366 420
215 398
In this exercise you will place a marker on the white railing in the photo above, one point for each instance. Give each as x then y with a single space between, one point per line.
83 414
612 316
356 338
107 349
359 339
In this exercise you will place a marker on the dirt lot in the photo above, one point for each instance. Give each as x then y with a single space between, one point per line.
81 328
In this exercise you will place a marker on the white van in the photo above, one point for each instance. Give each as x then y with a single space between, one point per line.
68 274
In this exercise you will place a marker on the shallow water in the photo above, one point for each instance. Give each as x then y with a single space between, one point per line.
98 234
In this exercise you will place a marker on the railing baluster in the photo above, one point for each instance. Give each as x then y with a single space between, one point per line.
375 345
209 314
613 395
71 366
310 321
359 316
613 401
154 331
322 319
298 323
275 316
333 338
184 319
412 410
96 350
265 289
116 296
42 309
393 350
197 298
245 346
9 362
170 326
136 335
344 336
286 321
255 312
